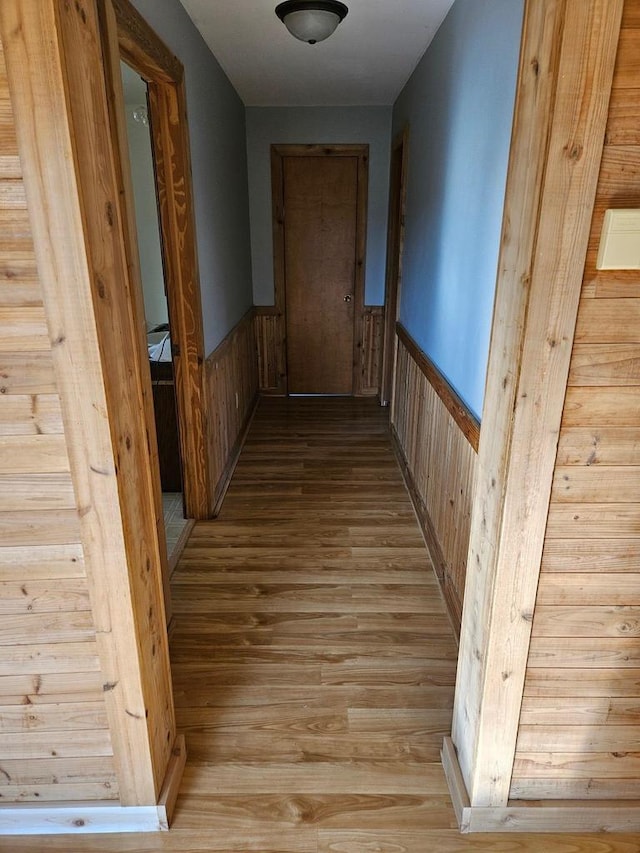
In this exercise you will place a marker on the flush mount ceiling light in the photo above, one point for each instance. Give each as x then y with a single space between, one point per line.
311 21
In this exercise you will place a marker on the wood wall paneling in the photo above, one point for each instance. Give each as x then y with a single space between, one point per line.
580 739
270 334
270 338
566 67
47 631
436 438
61 101
232 392
371 349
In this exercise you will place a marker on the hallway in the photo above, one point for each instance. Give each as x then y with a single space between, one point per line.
313 662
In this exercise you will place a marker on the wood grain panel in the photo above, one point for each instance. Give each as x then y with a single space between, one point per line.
47 631
573 765
33 454
370 348
590 484
87 278
67 744
63 595
602 407
584 652
270 348
41 562
576 738
606 446
605 364
566 68
622 126
439 463
30 414
23 330
52 771
583 711
587 621
627 71
608 321
592 588
31 492
603 521
27 374
15 287
54 689
580 555
53 527
50 658
583 683
47 628
232 388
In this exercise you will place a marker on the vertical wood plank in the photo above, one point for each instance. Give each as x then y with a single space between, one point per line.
439 465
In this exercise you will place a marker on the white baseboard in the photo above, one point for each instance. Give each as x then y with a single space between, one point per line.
98 817
80 818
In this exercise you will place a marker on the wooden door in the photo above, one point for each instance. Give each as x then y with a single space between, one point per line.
320 231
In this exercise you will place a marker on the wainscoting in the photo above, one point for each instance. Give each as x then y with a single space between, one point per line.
269 330
232 392
270 342
436 440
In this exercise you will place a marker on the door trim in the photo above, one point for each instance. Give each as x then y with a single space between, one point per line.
278 153
395 250
146 53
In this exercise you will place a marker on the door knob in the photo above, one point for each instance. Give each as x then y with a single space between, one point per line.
347 297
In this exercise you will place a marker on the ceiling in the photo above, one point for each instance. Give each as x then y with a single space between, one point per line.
366 61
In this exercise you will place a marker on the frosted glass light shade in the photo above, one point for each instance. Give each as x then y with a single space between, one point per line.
309 21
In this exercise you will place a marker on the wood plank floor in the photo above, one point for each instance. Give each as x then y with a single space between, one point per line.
313 661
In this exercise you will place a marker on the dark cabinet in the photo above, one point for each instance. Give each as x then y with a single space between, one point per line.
164 407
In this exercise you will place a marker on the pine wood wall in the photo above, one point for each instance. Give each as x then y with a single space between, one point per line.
54 736
271 346
579 734
437 441
232 389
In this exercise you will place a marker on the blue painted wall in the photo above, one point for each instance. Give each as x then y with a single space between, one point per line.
459 106
267 125
219 163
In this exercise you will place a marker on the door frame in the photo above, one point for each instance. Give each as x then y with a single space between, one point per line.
278 153
395 250
127 36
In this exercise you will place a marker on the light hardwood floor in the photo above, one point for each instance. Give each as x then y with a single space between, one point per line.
313 662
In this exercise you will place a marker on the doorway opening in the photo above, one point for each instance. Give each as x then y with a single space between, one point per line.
125 36
156 311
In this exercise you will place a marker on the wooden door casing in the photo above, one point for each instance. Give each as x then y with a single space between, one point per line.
320 204
395 246
359 152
